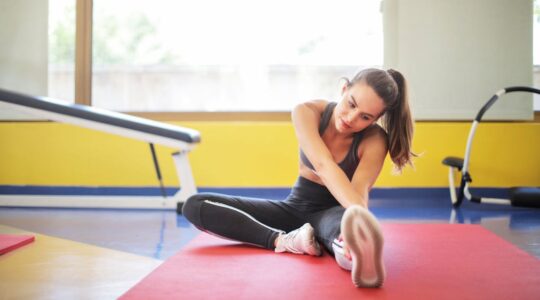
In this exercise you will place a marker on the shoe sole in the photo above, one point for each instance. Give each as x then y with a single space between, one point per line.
363 235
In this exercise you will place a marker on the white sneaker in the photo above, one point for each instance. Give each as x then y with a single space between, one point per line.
339 255
299 241
362 234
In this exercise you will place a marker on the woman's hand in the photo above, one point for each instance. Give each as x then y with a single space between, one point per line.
346 250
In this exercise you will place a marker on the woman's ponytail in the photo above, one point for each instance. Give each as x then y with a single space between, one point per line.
398 123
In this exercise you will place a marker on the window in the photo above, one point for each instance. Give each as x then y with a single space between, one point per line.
237 55
61 66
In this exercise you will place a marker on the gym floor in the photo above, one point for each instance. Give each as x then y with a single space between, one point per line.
144 238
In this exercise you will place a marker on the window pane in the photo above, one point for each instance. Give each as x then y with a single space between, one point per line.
61 83
236 55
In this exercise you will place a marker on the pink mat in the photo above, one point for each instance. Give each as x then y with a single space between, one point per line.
423 261
10 242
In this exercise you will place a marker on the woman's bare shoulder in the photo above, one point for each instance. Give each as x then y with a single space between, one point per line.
376 131
375 134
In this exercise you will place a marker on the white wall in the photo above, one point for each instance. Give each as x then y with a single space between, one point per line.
536 79
23 51
457 54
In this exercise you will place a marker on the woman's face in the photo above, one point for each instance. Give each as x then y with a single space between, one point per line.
359 107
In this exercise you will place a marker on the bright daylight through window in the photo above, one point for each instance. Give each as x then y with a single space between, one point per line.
213 55
61 69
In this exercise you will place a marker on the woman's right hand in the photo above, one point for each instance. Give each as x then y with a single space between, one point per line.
346 250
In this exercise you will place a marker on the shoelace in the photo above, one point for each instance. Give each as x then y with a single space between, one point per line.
288 240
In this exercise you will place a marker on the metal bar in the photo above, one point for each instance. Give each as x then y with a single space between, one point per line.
158 171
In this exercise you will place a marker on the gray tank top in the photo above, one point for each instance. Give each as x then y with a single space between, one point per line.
351 161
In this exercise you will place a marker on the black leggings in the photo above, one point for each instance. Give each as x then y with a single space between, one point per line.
259 222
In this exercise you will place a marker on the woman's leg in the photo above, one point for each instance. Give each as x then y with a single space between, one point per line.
361 234
327 225
253 221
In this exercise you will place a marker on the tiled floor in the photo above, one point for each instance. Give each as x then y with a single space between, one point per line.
160 234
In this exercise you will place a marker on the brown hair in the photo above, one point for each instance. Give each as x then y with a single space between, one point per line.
396 120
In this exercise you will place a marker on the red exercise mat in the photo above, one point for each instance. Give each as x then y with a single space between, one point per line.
423 261
10 242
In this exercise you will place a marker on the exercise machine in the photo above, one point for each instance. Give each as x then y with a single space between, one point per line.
519 196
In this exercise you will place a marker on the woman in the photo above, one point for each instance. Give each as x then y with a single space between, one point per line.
342 153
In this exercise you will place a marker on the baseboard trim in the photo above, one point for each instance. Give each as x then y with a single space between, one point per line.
256 192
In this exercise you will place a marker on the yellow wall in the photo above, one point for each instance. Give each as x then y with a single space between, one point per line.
251 154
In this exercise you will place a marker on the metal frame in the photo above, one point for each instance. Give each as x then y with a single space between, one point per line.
463 190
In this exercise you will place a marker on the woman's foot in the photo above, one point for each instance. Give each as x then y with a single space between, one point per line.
299 241
363 238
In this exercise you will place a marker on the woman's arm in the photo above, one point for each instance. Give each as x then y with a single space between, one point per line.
306 118
373 149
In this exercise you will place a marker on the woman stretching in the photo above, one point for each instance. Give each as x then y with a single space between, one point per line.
342 151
